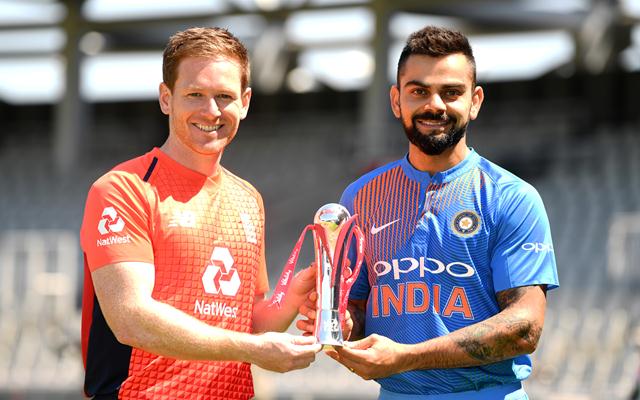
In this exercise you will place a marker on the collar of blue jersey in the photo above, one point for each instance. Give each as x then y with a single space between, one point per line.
470 161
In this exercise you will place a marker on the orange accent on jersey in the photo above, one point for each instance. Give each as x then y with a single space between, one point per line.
375 307
390 299
442 195
412 287
458 302
205 237
395 191
436 298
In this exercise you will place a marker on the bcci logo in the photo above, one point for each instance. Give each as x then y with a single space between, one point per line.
221 276
466 223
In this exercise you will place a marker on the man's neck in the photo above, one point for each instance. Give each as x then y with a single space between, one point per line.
438 163
208 165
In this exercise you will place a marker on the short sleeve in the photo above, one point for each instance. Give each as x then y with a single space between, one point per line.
116 223
523 254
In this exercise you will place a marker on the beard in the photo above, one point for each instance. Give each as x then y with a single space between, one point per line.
431 143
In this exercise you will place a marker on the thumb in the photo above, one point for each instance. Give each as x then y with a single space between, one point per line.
303 340
360 344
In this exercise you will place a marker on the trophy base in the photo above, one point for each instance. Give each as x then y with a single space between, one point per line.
330 346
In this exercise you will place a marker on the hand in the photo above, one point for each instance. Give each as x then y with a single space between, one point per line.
347 325
372 357
302 285
308 310
282 352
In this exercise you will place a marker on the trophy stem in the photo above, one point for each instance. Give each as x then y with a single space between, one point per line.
330 332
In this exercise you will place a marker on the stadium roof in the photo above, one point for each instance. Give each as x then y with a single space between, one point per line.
299 45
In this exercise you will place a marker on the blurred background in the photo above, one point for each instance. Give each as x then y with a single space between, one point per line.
78 87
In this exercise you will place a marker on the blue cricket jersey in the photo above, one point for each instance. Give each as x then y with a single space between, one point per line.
437 250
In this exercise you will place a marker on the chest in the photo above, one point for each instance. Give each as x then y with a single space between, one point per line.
452 222
206 246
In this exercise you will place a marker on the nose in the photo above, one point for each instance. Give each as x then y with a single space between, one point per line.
435 104
211 107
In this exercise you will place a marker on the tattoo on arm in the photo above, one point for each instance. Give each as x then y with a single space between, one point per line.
504 335
507 298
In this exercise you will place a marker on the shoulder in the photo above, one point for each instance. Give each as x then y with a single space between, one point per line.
235 183
514 197
507 184
126 176
352 190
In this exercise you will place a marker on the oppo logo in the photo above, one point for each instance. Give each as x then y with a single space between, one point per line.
537 247
424 265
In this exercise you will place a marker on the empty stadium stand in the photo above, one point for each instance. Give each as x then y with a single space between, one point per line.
590 183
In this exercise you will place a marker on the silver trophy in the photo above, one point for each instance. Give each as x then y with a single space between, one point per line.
331 219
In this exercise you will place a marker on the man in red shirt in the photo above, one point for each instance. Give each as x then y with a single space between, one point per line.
173 243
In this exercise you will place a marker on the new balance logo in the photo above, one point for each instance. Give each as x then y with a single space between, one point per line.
377 229
184 219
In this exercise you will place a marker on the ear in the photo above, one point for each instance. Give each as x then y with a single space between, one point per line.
246 99
476 102
164 97
394 97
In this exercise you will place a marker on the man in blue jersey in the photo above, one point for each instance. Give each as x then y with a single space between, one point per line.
459 254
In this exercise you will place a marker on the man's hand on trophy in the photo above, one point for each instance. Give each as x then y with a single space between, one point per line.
347 325
302 284
372 357
308 310
282 352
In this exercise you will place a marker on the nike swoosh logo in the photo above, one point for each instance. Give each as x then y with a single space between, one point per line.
375 229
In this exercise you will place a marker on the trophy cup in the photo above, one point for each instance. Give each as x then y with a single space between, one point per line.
331 226
333 232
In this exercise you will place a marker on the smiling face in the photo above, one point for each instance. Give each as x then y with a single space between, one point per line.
205 106
435 100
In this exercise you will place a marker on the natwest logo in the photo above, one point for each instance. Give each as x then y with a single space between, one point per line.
424 265
110 221
221 276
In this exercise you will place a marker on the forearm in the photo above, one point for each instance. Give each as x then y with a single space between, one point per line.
164 330
268 317
505 335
